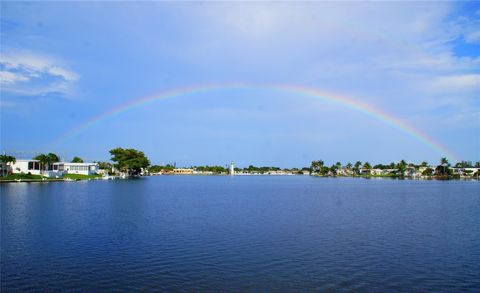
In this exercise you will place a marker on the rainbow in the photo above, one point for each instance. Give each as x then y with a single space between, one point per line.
298 90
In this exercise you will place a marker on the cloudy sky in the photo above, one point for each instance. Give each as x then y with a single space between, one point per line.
63 63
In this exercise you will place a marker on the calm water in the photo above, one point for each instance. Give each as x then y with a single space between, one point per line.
186 233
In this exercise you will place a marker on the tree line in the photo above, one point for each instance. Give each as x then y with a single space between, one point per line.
442 169
132 161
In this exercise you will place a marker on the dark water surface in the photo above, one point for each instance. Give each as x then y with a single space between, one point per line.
187 233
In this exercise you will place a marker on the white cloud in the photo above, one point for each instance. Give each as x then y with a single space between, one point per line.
460 82
398 56
7 77
469 28
473 37
30 74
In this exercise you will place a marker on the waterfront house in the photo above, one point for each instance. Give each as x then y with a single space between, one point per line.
409 172
79 168
54 170
365 171
34 167
465 172
377 172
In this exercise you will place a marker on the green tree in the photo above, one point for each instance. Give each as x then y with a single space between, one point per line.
424 164
427 172
402 166
43 160
220 169
349 166
104 165
333 169
463 164
46 160
317 166
444 161
77 160
443 169
53 158
130 161
367 166
356 167
7 160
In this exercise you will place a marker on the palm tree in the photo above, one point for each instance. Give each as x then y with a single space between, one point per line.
46 160
7 160
356 167
444 161
53 158
43 160
402 166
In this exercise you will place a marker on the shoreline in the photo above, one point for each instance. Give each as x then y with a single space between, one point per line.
47 180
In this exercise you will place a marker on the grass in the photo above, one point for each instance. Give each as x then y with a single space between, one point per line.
28 177
81 176
21 176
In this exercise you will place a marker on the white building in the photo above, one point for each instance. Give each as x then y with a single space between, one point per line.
53 170
80 168
232 169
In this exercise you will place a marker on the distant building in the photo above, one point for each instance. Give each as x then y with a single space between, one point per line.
231 170
181 171
409 172
365 171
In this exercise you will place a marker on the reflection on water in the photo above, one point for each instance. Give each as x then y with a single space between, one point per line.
241 234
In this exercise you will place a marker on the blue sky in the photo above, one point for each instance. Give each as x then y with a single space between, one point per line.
63 63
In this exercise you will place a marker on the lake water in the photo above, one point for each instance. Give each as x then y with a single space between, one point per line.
220 233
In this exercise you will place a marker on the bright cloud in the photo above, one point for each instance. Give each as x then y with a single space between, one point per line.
7 77
456 83
394 54
473 37
31 74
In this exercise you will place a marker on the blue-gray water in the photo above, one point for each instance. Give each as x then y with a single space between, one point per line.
187 233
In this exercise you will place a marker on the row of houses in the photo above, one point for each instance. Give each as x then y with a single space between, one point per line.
409 171
192 171
183 171
53 170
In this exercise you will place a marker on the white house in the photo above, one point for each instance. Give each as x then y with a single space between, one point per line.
33 167
53 170
80 168
377 171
